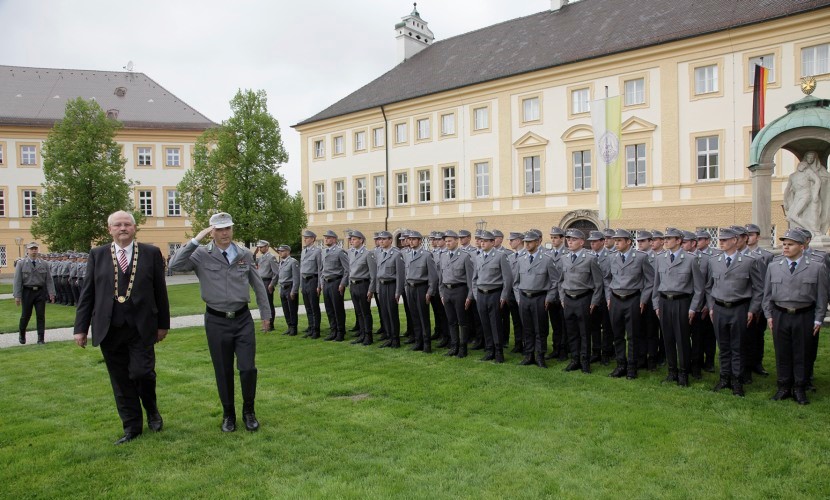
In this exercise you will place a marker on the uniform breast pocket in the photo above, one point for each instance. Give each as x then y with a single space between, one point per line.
212 266
458 272
808 287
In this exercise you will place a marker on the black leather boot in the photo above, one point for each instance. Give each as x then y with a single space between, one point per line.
499 356
22 338
40 338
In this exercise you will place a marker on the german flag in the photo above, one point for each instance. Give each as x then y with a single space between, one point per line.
759 96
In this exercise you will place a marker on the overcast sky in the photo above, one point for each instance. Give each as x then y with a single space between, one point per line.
305 54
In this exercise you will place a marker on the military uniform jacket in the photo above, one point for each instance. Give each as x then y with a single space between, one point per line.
558 253
335 262
681 276
363 266
580 274
81 270
492 270
391 267
762 254
421 268
288 272
636 273
266 263
741 280
513 260
225 287
807 285
26 274
541 275
311 261
456 269
73 270
64 269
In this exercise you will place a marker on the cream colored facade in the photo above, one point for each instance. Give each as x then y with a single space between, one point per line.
664 126
171 153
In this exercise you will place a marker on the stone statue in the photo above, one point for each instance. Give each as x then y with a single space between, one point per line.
807 197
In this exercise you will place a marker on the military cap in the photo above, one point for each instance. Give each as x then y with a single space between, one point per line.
575 233
739 230
32 245
415 234
375 235
464 234
487 235
622 233
753 228
537 232
449 233
703 235
689 236
673 232
531 236
727 233
439 235
643 235
262 243
478 233
806 232
596 236
516 236
221 219
795 235
557 231
282 248
330 234
657 234
384 234
309 234
357 234
497 233
608 232
403 235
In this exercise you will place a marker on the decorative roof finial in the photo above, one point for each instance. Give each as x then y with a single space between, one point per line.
415 9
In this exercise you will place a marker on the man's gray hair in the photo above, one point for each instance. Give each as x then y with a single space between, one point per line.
109 219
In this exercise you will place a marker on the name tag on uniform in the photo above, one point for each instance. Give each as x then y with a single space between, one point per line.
243 266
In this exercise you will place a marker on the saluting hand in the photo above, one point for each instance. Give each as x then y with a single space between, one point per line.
204 232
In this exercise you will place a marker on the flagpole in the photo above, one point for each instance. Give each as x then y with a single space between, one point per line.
605 187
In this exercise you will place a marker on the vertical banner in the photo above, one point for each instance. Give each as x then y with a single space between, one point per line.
759 96
606 116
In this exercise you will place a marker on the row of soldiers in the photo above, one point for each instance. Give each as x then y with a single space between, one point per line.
68 270
641 300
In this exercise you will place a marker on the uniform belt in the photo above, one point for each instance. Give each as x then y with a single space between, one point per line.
575 296
533 294
286 285
625 296
309 276
227 315
675 296
794 310
386 281
492 290
357 282
332 278
730 305
454 285
417 283
36 288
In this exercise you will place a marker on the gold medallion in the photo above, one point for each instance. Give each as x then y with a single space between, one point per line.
122 299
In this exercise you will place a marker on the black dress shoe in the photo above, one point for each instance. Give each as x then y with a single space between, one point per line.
573 366
652 364
810 387
251 423
331 337
782 394
499 356
452 352
127 437
527 361
618 372
738 389
388 343
671 378
41 342
683 380
517 349
759 369
696 374
747 378
722 384
586 368
540 361
155 422
228 424
358 340
488 357
22 338
631 374
800 397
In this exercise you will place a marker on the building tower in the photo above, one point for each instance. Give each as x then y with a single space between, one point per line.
412 34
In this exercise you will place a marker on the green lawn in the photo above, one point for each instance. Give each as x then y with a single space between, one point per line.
345 421
5 288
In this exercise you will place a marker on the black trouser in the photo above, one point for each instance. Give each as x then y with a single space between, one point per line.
418 307
754 348
267 283
388 308
812 354
730 330
650 335
475 322
311 300
674 321
626 317
515 315
33 299
535 324
335 311
76 290
290 306
227 337
577 316
440 316
557 324
407 313
454 299
489 310
602 336
362 309
131 366
792 336
708 341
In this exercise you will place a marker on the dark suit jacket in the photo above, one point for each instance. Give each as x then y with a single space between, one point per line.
151 309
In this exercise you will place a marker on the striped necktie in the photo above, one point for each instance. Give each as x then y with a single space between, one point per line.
122 260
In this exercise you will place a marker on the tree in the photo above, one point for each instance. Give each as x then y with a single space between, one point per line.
84 179
237 171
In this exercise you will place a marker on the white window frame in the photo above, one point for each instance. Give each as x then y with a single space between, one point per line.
706 79
582 181
481 170
361 192
767 61
2 202
174 159
635 165
424 186
145 202
481 118
580 101
339 195
339 145
423 129
144 156
360 140
174 207
402 187
448 174
29 203
533 174
815 60
635 91
2 155
448 124
320 148
531 109
378 137
320 192
401 134
380 190
28 154
706 155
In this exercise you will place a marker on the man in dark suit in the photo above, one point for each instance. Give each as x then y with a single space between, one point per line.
125 298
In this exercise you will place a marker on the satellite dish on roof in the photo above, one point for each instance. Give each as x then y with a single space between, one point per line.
129 66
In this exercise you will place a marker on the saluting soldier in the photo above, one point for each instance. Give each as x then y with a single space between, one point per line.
580 289
265 265
391 277
754 354
493 280
287 281
455 285
678 293
441 329
628 288
795 303
334 276
537 281
602 336
362 275
32 286
734 291
555 314
311 263
514 254
421 286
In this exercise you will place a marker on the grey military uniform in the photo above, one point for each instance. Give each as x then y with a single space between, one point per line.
421 280
493 280
537 281
33 285
333 275
580 286
311 264
287 280
628 287
362 275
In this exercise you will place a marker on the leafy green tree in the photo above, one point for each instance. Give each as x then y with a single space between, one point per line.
84 179
237 171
